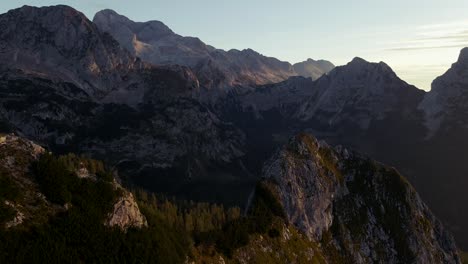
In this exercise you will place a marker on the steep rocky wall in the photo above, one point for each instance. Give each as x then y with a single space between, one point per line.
359 210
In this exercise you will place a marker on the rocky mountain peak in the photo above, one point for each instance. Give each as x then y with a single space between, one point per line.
61 20
62 27
463 56
358 60
360 64
107 16
109 20
461 65
373 89
448 95
250 52
312 68
369 76
154 42
355 207
60 10
60 43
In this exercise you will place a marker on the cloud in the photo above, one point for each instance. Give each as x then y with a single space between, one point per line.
426 47
462 36
435 36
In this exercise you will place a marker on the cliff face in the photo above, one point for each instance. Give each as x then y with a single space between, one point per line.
359 210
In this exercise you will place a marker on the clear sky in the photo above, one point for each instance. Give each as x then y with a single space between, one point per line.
419 39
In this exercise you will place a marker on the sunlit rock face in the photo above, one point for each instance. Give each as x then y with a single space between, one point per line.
36 42
154 42
126 213
359 210
313 69
61 45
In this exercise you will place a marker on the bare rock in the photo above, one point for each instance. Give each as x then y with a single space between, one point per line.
126 213
18 219
360 208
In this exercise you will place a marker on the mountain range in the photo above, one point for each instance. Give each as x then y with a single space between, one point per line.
365 106
179 117
154 42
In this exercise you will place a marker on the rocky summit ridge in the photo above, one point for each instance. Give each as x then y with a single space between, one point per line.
154 42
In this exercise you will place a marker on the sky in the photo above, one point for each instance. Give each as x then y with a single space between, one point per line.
419 39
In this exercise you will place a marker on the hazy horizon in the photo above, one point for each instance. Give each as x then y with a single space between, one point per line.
419 40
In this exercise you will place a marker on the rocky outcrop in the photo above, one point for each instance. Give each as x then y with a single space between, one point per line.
359 210
126 213
308 183
17 219
28 148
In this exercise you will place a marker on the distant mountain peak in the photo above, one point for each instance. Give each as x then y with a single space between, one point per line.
60 43
460 66
109 17
358 60
463 55
67 24
373 89
59 11
448 94
108 11
156 43
360 64
313 68
361 61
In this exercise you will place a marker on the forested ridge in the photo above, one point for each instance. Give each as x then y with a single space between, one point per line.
176 230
